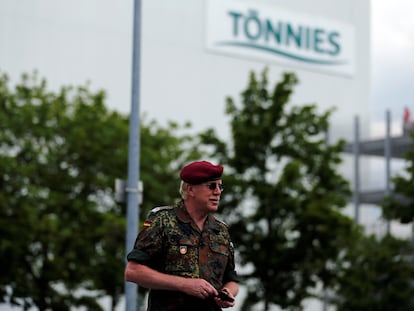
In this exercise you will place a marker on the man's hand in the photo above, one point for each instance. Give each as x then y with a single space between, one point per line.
224 296
225 299
199 288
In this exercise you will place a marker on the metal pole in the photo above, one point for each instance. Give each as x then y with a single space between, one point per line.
131 289
412 233
387 150
356 169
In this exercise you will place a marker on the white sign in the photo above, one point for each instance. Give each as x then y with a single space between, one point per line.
271 34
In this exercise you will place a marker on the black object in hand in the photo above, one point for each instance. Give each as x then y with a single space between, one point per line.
224 296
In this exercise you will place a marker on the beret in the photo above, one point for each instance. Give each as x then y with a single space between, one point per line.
200 171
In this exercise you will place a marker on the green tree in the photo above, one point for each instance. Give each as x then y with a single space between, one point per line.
285 194
378 276
55 181
62 234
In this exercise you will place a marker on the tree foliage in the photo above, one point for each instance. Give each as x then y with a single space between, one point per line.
378 277
54 186
63 236
285 194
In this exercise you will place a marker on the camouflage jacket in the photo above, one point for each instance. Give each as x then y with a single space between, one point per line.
171 243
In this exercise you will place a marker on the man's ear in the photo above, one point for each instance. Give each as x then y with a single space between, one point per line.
190 190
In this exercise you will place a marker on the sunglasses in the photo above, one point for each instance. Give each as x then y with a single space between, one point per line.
213 186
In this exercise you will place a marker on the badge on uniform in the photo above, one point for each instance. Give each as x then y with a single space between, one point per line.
183 249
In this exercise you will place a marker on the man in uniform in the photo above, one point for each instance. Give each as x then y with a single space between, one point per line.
183 254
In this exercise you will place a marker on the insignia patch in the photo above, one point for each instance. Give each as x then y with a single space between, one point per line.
183 249
147 224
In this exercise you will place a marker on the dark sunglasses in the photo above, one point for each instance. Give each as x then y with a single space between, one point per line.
213 186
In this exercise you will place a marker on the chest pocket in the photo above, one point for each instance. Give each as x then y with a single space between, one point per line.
219 258
181 257
220 247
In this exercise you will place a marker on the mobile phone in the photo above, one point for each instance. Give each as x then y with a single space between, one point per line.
224 296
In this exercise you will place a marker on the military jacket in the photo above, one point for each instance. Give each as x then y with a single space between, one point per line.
171 243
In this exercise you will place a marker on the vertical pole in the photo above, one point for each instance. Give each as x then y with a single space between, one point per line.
131 289
412 236
356 169
412 233
325 302
387 155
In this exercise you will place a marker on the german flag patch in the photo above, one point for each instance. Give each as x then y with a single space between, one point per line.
147 224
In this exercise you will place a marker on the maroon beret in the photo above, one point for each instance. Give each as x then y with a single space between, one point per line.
200 171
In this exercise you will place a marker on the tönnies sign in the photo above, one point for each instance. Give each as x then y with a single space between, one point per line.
271 34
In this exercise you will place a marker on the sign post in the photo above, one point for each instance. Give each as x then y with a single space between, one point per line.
131 289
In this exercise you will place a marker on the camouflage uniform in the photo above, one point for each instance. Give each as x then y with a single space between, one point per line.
171 243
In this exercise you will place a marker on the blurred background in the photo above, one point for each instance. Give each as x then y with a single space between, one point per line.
187 70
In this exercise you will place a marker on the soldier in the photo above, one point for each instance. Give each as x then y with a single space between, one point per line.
183 254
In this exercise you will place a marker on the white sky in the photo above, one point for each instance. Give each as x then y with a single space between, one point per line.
392 63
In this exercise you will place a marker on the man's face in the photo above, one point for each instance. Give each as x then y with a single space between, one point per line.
207 195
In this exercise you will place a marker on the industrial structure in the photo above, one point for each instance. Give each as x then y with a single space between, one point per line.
389 147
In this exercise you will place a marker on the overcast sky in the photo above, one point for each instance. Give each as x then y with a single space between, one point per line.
392 49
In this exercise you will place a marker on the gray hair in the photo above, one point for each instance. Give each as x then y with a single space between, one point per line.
183 190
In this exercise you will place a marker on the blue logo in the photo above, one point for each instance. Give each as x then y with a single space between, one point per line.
282 37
